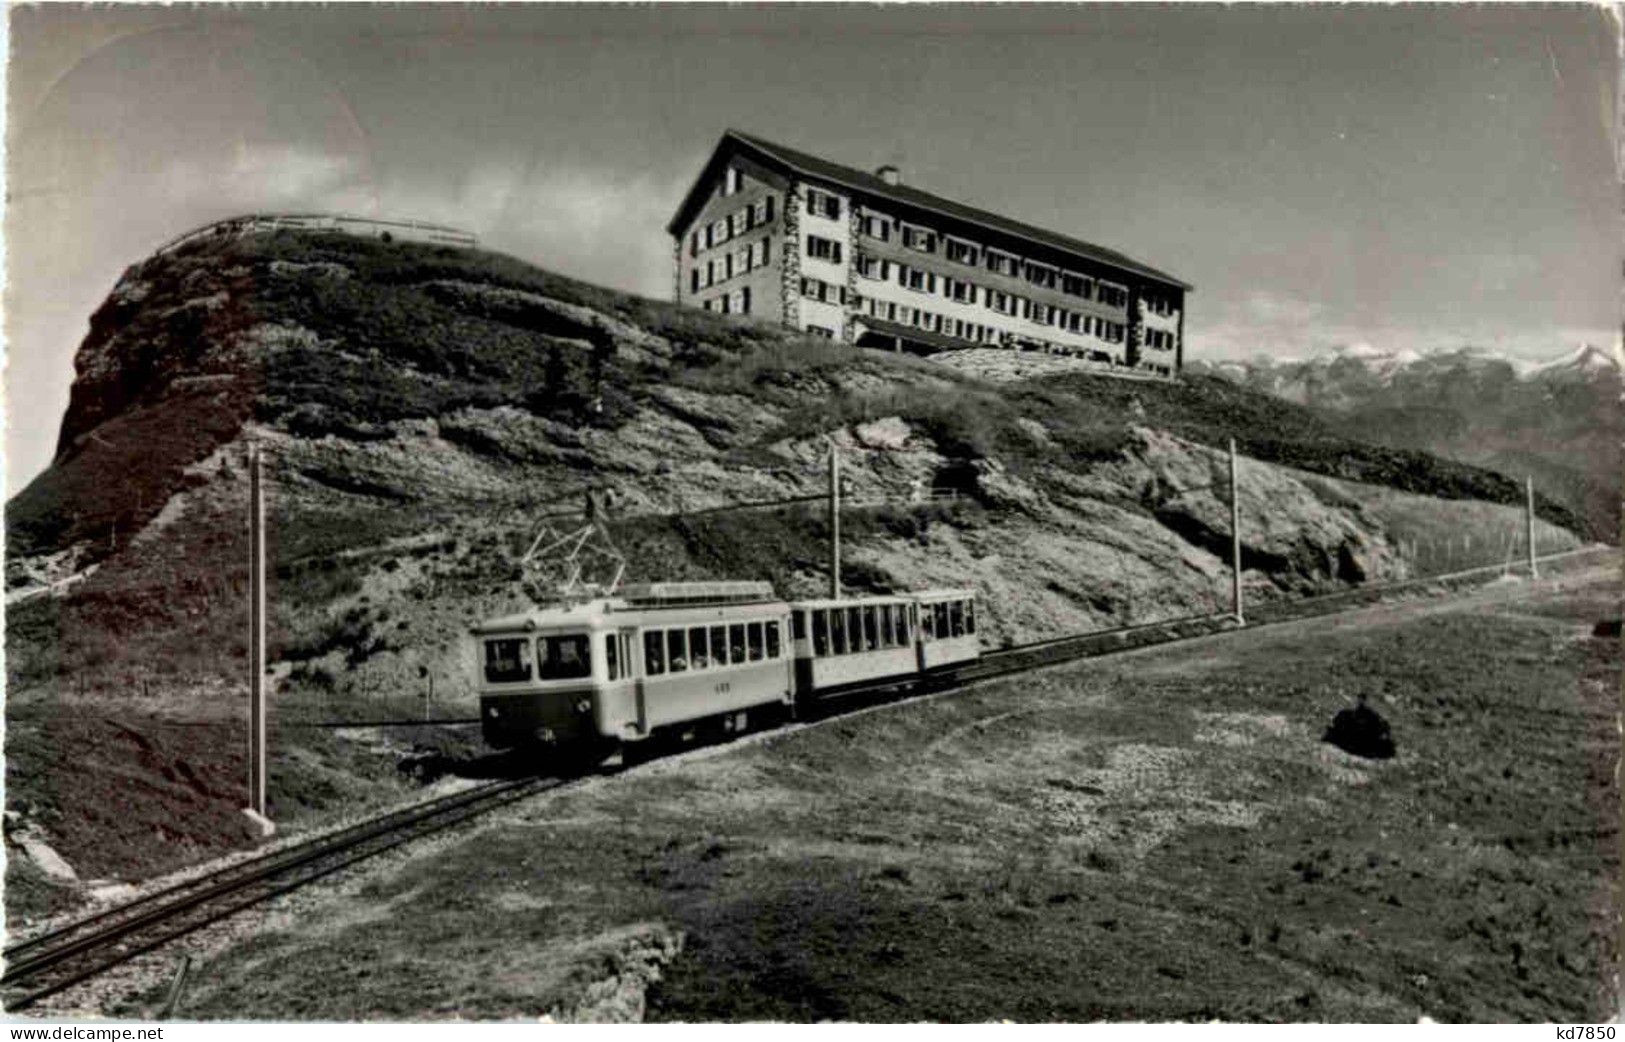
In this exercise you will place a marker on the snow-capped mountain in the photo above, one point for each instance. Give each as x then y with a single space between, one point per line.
1558 418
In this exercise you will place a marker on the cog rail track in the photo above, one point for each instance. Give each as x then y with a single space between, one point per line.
42 966
56 960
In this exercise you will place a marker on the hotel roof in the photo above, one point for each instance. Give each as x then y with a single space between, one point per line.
864 183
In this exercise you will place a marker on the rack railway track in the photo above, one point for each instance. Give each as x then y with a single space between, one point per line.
58 959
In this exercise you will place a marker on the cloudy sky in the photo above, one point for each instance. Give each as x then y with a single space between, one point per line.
1406 177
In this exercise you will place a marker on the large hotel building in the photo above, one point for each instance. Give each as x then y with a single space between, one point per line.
771 232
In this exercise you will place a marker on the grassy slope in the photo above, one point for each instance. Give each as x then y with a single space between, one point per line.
1162 836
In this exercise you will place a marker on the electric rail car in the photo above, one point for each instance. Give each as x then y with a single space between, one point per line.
663 657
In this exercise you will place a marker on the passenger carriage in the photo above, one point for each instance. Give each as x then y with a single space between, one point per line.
848 643
622 668
947 628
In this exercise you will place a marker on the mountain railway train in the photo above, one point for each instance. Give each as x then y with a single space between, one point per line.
664 659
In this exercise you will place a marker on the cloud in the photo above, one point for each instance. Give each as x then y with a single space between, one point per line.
1263 307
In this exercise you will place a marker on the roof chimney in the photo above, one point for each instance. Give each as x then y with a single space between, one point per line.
890 174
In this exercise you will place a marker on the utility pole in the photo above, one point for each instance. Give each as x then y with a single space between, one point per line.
256 643
1529 523
834 522
1235 540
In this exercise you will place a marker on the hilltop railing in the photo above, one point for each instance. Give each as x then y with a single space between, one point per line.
246 224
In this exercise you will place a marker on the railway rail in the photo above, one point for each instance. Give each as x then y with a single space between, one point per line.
46 964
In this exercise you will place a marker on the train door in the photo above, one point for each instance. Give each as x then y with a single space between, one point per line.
919 635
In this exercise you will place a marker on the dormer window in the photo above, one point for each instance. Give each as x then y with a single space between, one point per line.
961 252
919 239
732 181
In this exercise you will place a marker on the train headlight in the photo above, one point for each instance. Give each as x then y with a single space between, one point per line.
584 706
491 711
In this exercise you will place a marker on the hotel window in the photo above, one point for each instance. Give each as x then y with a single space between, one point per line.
823 331
919 239
915 279
822 204
818 289
824 249
1001 263
960 252
694 243
767 209
1039 275
728 266
732 181
882 309
1075 285
1114 296
1041 314
694 280
741 300
710 232
873 267
722 303
710 272
877 227
960 290
761 253
1003 303
729 223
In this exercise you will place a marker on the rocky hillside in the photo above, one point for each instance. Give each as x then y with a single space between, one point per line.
422 406
1559 420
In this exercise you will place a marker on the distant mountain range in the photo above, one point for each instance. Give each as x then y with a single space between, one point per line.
1557 420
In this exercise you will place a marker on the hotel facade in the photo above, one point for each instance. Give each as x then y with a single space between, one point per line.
783 236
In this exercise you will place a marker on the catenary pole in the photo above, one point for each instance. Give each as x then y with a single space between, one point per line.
256 633
834 522
1235 539
1529 523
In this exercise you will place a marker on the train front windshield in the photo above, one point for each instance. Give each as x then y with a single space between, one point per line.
565 656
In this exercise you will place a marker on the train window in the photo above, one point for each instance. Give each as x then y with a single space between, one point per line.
773 640
507 660
756 642
854 628
798 625
564 657
941 613
654 653
956 617
719 645
883 619
837 631
970 616
698 656
736 643
900 625
612 655
928 631
820 633
676 651
871 629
